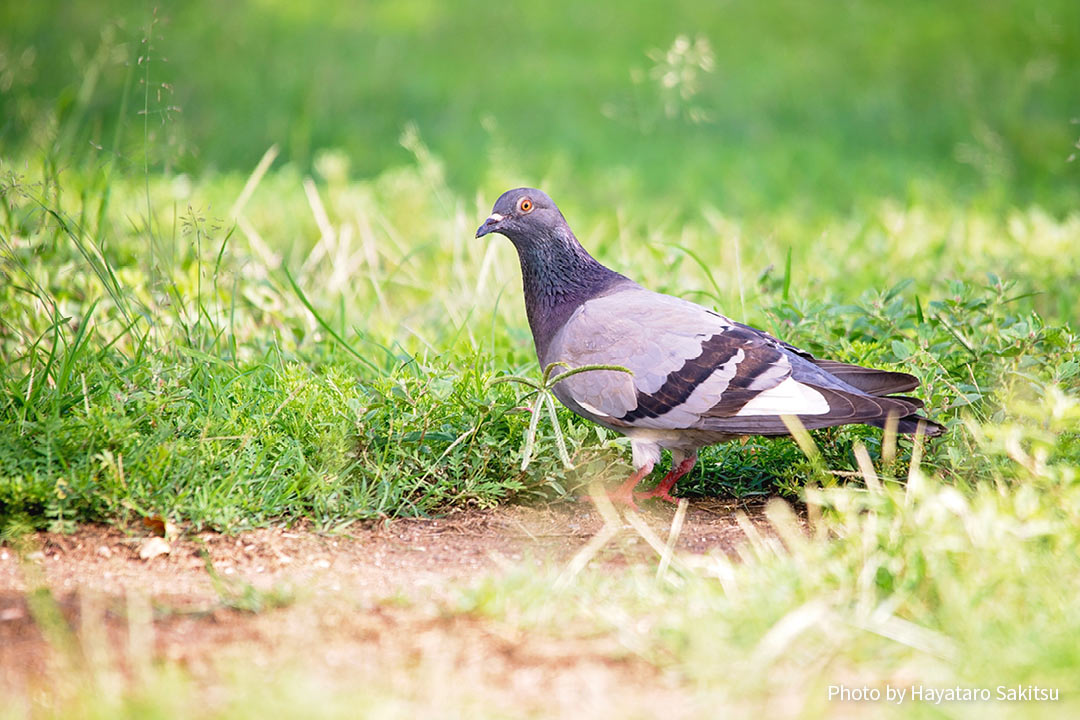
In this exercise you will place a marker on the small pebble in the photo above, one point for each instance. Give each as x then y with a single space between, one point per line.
11 613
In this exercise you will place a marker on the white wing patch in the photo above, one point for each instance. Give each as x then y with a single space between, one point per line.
790 397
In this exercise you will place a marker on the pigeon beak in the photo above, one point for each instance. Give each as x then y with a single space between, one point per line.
490 225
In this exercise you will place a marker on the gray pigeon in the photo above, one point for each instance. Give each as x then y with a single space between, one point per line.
698 378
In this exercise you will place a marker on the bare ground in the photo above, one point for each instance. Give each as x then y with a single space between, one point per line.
363 611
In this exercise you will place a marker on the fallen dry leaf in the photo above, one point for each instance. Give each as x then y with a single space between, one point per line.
161 527
152 547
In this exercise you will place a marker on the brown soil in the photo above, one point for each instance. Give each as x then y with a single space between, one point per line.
367 600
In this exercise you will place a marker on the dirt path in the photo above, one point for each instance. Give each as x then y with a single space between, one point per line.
363 604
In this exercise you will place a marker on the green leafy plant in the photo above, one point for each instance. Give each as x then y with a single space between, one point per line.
544 391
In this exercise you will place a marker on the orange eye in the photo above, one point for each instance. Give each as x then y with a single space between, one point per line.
525 205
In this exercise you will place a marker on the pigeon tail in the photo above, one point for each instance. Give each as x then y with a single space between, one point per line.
909 425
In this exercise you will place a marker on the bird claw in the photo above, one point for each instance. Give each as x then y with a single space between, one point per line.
657 494
625 498
624 494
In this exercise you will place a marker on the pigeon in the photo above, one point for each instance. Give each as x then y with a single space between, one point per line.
696 377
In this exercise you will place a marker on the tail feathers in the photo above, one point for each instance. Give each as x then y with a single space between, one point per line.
883 383
869 380
913 401
909 425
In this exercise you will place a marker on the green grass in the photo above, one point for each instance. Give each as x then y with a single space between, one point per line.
906 582
226 379
314 341
903 583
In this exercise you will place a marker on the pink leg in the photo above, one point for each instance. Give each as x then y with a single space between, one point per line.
624 495
663 490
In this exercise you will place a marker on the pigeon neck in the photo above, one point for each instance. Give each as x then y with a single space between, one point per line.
558 275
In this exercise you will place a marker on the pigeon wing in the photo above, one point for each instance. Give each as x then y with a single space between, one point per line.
684 360
692 368
870 380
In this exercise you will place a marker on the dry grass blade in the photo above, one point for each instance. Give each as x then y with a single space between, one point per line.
786 525
917 448
866 468
269 258
585 555
650 536
253 181
802 437
888 439
915 476
813 489
753 536
604 506
914 636
597 542
328 236
813 497
790 627
673 537
140 631
99 663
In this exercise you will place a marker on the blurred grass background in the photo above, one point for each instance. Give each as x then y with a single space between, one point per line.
816 107
239 287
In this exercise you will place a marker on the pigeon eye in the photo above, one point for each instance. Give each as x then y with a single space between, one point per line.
525 205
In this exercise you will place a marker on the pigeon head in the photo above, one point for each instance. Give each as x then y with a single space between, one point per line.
558 275
524 215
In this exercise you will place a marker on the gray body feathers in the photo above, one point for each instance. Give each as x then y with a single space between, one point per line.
696 377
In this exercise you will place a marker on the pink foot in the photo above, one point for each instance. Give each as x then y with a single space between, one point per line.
663 490
625 498
624 494
657 493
